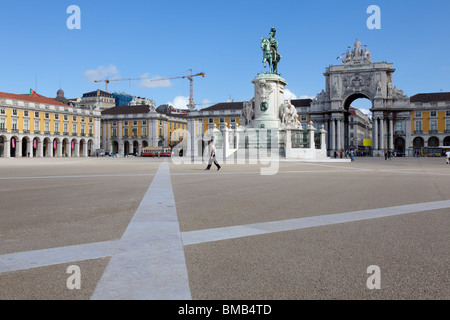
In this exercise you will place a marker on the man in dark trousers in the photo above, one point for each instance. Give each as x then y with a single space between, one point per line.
212 156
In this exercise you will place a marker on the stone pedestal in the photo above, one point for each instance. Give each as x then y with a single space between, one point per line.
269 96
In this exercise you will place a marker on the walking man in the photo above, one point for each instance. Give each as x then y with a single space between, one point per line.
448 157
212 156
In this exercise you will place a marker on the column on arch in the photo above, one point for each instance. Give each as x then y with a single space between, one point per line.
375 134
391 133
333 134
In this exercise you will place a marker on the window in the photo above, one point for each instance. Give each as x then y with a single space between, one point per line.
25 125
56 127
47 115
114 123
233 120
82 119
74 118
399 126
2 124
447 125
304 118
25 113
418 126
74 129
65 128
36 114
90 120
114 132
90 131
211 120
2 111
37 126
144 132
433 113
134 123
222 120
65 117
14 112
47 127
56 116
433 126
125 123
14 124
125 132
144 122
447 113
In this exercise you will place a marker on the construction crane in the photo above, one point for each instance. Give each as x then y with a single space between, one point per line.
190 77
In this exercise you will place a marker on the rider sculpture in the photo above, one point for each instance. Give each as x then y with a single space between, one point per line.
270 52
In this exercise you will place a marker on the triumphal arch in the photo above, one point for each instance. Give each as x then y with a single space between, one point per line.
359 77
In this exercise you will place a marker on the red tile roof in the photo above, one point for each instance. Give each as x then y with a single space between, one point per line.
37 98
431 97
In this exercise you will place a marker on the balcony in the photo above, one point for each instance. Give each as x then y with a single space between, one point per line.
418 132
399 133
433 131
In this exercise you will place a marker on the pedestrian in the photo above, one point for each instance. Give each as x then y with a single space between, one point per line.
352 155
385 155
212 156
341 154
448 157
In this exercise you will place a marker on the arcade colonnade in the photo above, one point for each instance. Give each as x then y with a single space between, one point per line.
20 145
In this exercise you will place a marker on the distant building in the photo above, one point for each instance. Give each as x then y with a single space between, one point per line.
359 129
136 101
128 129
122 99
104 100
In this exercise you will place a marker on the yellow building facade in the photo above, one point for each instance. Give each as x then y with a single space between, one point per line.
126 130
37 126
430 123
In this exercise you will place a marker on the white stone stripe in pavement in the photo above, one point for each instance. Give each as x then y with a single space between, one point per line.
46 257
69 254
79 176
149 262
225 233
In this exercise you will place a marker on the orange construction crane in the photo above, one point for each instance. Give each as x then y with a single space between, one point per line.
190 77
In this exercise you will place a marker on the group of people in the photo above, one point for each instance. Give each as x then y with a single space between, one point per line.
349 154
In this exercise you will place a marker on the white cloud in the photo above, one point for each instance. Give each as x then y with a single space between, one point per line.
153 82
289 95
101 73
206 103
179 102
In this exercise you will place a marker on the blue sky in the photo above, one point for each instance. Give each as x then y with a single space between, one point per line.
132 39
